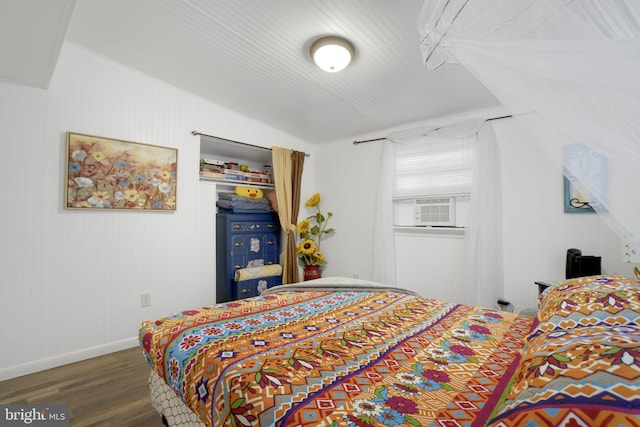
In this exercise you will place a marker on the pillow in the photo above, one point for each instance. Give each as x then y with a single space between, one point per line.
590 301
223 195
581 364
249 192
576 377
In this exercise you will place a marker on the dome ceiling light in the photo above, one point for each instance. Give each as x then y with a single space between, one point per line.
332 53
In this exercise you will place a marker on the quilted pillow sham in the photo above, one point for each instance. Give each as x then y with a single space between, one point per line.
583 377
590 301
581 364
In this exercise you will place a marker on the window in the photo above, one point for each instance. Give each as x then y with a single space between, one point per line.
432 166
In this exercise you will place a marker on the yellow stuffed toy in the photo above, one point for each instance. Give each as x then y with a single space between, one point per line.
250 192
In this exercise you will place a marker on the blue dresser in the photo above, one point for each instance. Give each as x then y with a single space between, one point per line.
243 241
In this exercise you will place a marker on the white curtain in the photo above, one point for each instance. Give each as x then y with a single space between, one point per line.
384 251
568 70
484 278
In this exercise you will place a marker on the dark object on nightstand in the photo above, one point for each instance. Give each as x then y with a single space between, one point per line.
579 265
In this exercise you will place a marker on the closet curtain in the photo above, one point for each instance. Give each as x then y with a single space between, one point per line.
287 174
568 72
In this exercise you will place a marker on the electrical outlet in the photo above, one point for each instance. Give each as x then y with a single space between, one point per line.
355 275
145 300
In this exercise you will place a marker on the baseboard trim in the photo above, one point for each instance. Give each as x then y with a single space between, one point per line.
15 371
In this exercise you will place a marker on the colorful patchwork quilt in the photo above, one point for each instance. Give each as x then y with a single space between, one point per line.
581 365
348 357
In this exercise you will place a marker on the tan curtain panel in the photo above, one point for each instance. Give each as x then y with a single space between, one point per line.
297 165
287 174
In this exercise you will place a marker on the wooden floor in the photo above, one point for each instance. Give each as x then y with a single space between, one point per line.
109 390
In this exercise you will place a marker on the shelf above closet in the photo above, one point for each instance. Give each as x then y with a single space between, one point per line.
226 149
231 183
255 158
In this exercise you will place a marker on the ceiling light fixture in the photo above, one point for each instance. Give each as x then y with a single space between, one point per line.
332 53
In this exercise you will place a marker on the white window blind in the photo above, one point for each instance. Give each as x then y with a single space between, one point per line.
433 165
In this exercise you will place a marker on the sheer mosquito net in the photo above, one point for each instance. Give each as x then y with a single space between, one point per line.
569 71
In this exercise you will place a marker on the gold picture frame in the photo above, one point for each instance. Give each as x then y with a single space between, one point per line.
105 173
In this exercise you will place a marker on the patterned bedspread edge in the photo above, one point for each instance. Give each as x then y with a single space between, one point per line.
336 284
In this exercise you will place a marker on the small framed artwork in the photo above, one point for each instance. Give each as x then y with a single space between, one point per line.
574 202
105 173
580 162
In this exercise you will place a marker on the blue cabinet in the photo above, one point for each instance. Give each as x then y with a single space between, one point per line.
242 241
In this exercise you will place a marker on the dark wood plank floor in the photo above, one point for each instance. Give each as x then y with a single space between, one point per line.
109 390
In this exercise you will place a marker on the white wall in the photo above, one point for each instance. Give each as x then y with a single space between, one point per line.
431 263
71 280
536 231
344 175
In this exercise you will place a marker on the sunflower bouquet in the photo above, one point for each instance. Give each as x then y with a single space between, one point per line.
311 231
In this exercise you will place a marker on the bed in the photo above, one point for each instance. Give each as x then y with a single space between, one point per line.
341 352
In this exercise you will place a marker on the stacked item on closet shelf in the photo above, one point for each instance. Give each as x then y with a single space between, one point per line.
233 202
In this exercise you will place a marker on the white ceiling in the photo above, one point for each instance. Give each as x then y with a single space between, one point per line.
252 56
31 34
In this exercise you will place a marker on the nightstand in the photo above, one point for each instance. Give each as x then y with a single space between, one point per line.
542 286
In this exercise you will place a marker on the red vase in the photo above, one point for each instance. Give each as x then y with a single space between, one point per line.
312 272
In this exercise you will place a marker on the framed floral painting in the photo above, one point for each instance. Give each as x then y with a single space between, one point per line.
106 173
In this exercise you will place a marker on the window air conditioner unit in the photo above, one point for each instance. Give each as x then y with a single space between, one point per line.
436 211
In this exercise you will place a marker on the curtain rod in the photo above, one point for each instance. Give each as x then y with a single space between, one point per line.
195 132
383 138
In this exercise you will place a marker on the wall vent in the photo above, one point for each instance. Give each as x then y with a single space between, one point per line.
435 211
